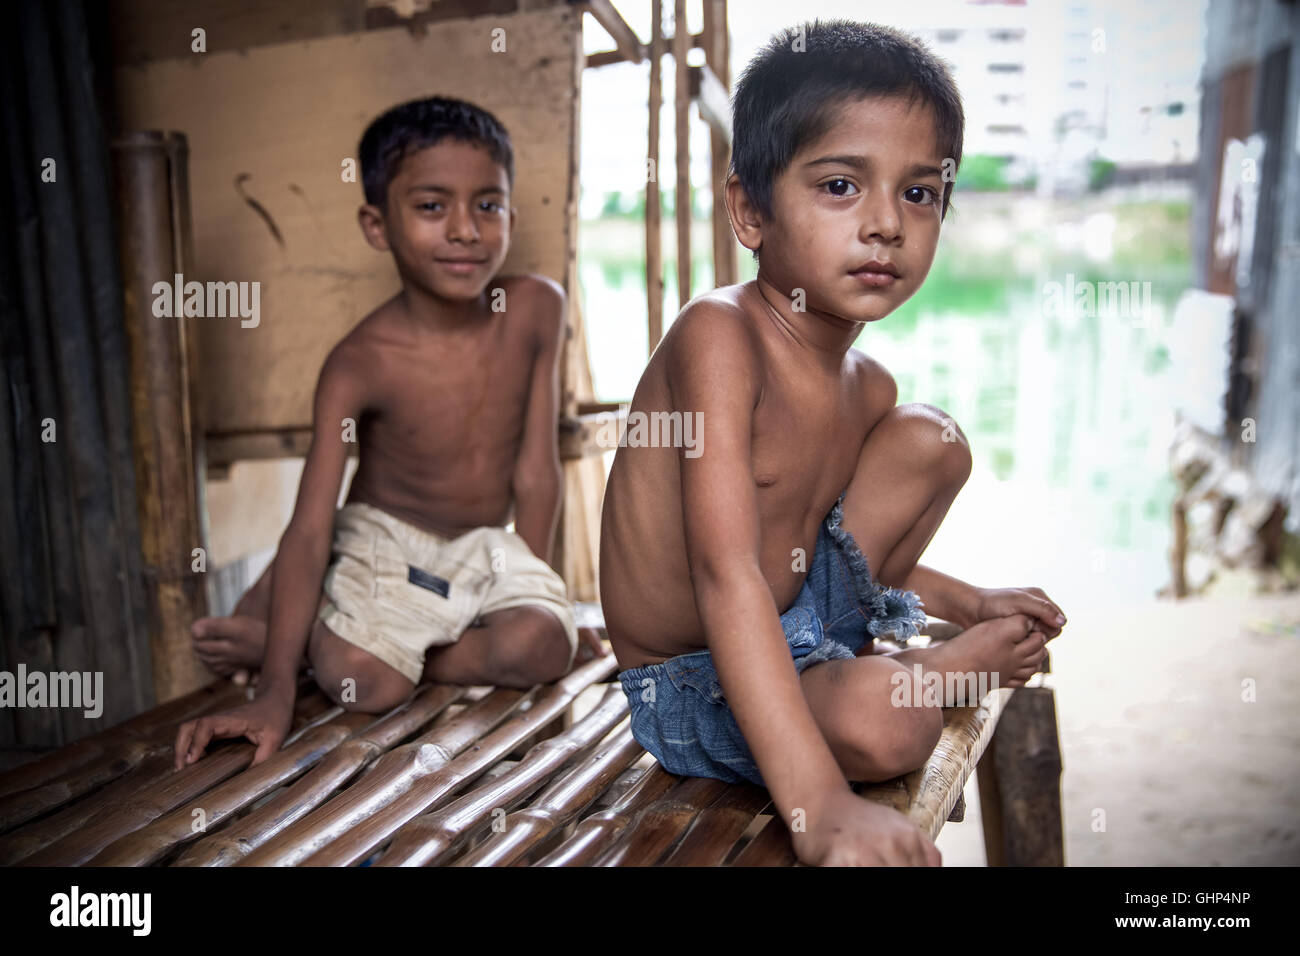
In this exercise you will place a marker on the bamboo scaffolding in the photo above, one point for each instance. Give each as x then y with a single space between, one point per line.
340 766
558 805
593 834
431 784
432 838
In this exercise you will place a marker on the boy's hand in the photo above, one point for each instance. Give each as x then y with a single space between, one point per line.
265 722
846 830
1006 602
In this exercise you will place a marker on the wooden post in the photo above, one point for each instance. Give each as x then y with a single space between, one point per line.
716 52
1020 784
682 102
170 526
654 266
1178 551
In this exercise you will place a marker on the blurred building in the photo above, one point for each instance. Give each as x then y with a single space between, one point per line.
1050 86
1246 230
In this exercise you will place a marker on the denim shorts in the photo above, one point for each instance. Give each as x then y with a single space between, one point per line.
679 713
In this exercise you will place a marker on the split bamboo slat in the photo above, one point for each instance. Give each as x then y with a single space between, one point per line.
440 781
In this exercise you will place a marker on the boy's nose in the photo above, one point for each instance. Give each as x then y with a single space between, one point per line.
461 225
881 219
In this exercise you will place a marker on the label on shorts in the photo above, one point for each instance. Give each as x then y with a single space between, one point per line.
430 582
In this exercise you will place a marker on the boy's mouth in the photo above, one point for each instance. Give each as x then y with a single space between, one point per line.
460 267
876 274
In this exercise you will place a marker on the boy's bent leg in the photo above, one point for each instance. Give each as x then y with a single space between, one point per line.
512 647
352 677
910 469
856 705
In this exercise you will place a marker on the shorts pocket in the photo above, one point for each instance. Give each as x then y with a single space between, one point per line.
446 599
697 672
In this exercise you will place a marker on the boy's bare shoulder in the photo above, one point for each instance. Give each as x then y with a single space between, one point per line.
538 299
714 333
876 384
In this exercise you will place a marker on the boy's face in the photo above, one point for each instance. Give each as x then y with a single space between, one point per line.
447 221
856 214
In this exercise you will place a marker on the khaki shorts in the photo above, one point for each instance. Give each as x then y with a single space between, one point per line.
395 590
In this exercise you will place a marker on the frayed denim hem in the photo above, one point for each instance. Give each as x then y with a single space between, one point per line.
893 611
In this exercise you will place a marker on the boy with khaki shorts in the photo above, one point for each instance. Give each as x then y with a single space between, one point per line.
452 389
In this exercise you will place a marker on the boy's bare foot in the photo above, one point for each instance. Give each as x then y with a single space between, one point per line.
1005 651
230 646
590 646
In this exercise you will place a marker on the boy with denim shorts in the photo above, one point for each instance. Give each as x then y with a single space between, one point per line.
744 582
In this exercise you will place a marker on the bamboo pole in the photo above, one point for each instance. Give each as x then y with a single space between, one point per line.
150 843
432 838
716 58
593 835
388 778
771 847
339 767
718 826
431 782
682 104
94 762
160 403
558 806
654 265
659 826
110 822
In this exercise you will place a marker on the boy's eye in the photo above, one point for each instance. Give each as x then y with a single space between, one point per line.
921 195
430 206
840 187
490 206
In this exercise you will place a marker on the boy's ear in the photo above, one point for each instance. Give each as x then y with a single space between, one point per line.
372 227
745 219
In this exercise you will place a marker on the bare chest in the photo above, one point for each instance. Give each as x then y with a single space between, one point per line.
464 402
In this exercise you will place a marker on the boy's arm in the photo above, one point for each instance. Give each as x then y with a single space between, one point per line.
297 576
304 552
713 371
537 478
944 596
965 605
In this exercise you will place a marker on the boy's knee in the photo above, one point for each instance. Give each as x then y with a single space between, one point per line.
882 753
355 679
532 649
935 440
900 737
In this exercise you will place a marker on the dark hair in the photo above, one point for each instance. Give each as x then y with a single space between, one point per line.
787 97
415 125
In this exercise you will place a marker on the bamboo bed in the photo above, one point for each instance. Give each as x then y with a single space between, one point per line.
460 776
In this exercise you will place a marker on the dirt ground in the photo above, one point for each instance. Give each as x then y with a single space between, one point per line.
1160 734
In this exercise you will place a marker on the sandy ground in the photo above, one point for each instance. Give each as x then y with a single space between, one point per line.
1161 742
